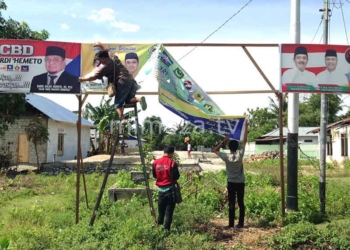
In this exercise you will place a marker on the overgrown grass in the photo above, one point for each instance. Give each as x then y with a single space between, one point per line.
38 212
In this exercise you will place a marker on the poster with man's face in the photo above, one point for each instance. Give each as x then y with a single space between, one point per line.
28 66
310 68
133 57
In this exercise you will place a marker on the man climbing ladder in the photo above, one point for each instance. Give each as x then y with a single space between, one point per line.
124 82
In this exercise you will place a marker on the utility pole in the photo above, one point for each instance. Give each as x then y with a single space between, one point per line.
323 125
293 121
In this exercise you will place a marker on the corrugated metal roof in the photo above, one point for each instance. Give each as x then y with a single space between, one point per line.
55 111
331 125
303 131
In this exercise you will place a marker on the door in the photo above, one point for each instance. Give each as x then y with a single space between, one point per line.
23 148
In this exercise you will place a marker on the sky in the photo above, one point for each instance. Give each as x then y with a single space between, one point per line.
180 21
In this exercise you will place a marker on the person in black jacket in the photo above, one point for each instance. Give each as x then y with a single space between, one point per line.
56 79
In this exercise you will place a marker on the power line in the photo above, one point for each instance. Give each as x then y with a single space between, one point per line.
342 13
218 28
317 30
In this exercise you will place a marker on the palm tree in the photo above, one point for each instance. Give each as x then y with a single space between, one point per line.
102 116
274 109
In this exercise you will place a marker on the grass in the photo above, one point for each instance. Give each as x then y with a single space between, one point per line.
38 212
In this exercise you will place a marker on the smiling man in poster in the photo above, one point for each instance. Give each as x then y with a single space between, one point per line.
331 75
299 74
56 79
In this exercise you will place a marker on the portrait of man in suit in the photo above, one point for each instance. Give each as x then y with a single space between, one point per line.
56 79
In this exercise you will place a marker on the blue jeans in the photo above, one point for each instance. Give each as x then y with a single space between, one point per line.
166 207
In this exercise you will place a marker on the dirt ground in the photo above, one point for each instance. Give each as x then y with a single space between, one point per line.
253 237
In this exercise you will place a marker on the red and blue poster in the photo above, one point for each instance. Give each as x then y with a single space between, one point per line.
28 66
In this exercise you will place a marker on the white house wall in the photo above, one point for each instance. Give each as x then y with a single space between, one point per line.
336 143
314 139
70 145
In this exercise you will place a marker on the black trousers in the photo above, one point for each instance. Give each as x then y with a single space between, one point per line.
166 207
236 189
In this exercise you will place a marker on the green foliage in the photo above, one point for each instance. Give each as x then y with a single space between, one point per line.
38 134
261 121
346 164
310 110
37 131
37 212
154 131
4 243
334 235
11 29
12 106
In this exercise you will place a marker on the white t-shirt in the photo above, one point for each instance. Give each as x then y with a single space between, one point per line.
188 147
335 77
296 76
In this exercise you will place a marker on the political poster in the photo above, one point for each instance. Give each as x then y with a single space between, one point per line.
315 68
133 57
28 66
180 94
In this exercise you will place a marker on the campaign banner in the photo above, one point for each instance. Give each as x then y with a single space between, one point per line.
133 57
28 66
315 68
180 94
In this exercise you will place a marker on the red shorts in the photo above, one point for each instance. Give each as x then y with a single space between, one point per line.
189 151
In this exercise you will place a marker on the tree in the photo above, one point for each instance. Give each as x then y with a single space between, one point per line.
38 134
13 105
154 131
102 116
310 110
274 109
261 121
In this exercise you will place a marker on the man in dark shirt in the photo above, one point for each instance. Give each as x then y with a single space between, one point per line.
166 172
125 84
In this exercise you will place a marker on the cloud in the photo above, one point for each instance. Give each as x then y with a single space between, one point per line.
64 26
102 15
108 15
73 15
125 27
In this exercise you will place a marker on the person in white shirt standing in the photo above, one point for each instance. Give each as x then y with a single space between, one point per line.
299 74
189 150
331 75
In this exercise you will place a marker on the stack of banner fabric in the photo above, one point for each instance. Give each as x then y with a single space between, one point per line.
184 97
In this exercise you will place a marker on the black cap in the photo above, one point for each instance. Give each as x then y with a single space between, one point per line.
300 50
131 55
101 54
331 52
55 51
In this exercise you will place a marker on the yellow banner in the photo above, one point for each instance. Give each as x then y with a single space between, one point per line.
133 56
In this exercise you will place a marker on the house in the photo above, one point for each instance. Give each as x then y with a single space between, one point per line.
308 143
62 128
337 140
273 137
132 142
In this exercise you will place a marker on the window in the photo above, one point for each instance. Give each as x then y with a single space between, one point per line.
344 145
60 144
308 140
329 148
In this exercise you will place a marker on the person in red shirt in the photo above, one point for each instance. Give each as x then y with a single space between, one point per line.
166 172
